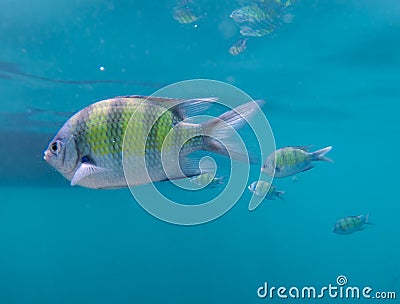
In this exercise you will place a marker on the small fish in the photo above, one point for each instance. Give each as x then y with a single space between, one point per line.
263 188
207 179
256 30
185 16
87 150
288 3
249 13
257 20
289 161
351 224
280 3
238 47
184 12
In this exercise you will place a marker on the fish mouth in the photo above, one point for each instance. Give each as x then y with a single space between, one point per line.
46 155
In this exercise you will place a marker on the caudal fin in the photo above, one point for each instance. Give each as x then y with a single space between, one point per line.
366 220
320 154
220 131
220 180
280 194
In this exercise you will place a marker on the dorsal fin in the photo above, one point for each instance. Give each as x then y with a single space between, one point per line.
304 148
153 98
182 108
192 107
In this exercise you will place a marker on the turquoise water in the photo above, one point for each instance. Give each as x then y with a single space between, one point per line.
331 77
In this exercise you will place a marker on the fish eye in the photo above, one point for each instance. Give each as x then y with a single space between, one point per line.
55 147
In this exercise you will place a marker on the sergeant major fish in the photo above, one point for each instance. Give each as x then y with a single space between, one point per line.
185 15
263 188
351 224
207 179
256 30
289 161
249 13
238 47
184 12
88 149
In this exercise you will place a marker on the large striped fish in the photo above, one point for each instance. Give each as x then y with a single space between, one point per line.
96 144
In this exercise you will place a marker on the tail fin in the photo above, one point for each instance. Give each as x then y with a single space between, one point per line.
219 131
220 180
366 220
280 194
320 154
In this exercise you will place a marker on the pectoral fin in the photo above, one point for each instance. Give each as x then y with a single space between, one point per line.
84 171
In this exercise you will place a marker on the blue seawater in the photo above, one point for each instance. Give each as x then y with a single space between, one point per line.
331 77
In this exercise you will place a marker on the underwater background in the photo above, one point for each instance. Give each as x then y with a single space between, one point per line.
331 76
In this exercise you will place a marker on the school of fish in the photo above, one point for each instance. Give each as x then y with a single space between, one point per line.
257 19
88 148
